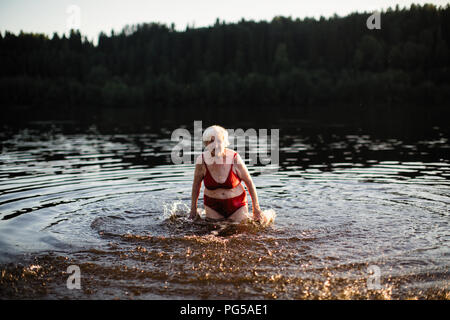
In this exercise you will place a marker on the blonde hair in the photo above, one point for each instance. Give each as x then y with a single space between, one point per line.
217 132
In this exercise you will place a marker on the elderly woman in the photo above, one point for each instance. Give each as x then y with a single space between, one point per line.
222 171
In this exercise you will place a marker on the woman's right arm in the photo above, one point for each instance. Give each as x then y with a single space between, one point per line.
196 185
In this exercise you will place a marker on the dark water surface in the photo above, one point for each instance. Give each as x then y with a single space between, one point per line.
113 204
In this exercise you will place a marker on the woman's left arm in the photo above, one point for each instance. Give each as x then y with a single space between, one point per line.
196 185
241 169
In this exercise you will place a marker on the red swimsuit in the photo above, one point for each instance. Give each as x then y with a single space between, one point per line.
226 207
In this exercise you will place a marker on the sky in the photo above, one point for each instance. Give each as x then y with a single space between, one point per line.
93 16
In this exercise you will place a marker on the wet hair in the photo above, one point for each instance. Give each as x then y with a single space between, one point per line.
215 131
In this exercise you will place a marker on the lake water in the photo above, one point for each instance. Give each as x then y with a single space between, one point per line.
113 204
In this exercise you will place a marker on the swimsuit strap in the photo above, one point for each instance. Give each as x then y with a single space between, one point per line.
207 170
235 173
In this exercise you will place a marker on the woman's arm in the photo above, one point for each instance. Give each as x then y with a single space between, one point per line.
196 185
241 169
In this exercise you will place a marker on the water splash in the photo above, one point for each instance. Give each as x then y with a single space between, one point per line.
268 217
175 209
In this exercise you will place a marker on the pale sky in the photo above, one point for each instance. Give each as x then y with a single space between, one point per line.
46 16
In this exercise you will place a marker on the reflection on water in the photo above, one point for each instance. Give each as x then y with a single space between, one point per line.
114 205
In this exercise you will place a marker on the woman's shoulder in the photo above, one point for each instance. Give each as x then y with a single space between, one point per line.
231 152
234 155
199 159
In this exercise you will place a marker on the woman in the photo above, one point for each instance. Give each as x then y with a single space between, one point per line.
222 170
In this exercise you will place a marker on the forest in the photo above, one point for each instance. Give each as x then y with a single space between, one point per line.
332 63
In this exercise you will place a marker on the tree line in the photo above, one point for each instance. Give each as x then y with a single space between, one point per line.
286 62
